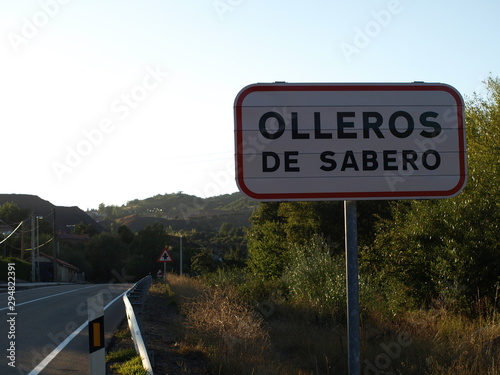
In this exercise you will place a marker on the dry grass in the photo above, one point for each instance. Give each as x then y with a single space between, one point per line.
295 340
457 345
220 323
240 340
222 313
304 345
161 288
432 342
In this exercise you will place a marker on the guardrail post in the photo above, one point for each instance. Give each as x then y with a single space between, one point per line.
97 350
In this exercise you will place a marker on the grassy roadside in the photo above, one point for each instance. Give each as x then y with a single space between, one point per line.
122 359
200 326
243 335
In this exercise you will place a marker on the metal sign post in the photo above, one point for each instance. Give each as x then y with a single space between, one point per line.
352 285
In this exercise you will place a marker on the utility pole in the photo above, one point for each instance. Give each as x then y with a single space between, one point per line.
54 241
22 241
33 275
181 258
38 246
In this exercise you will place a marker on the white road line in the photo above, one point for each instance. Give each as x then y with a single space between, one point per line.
52 295
63 344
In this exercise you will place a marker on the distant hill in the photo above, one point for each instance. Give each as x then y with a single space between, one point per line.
180 211
184 202
66 217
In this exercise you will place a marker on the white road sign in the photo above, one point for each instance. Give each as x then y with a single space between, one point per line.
165 257
349 141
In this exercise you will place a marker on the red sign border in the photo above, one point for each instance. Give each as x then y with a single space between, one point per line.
265 87
165 261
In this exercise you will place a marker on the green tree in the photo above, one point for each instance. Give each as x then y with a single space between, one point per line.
277 227
450 248
126 235
105 252
82 228
145 250
10 213
204 262
267 250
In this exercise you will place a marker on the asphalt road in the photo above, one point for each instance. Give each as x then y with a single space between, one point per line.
45 325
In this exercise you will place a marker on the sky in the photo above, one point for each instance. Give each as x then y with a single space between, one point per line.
113 100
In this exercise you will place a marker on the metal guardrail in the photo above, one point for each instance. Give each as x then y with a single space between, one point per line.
134 300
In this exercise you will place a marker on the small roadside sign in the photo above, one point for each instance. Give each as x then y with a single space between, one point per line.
165 257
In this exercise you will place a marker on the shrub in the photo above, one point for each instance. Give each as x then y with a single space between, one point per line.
315 278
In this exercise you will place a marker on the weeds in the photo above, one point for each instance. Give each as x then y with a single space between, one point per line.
224 321
123 358
123 334
121 355
161 287
130 367
228 329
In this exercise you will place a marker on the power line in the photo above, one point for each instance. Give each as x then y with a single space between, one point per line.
11 233
31 249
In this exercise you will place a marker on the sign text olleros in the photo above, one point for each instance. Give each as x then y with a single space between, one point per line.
349 141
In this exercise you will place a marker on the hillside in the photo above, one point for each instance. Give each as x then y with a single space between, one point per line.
66 217
179 211
180 202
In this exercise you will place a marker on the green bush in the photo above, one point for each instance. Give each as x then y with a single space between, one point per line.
225 276
315 278
447 250
267 250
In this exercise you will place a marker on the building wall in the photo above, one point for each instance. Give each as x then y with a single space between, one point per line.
64 274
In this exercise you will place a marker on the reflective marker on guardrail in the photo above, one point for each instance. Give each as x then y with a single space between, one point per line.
96 335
